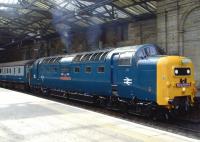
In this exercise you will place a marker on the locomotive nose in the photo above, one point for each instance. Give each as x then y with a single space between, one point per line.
175 81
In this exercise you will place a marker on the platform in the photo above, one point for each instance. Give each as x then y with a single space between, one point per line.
25 118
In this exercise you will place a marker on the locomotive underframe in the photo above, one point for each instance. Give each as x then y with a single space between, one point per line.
134 106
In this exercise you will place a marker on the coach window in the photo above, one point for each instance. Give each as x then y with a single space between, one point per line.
100 69
77 69
88 69
125 59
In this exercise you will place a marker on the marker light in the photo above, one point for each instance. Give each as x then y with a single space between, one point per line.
188 71
176 71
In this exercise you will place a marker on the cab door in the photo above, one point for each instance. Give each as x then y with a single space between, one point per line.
122 74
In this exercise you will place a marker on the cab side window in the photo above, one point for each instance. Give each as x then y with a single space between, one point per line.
125 59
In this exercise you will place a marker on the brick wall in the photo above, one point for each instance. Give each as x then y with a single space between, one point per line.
137 33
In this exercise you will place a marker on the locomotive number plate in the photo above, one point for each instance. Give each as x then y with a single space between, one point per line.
183 84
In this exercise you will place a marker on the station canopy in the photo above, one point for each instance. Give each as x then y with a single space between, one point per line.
29 19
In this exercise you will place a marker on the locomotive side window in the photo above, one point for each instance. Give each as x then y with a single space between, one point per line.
65 69
100 69
77 69
88 69
125 59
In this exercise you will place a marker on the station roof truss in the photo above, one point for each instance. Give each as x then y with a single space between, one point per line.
30 19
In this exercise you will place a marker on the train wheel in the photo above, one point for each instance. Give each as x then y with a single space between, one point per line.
100 101
123 107
45 91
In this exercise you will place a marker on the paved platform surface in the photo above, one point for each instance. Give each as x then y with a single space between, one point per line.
25 118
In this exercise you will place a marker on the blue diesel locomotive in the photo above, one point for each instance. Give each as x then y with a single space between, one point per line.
134 77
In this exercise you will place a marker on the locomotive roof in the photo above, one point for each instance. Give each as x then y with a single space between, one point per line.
16 63
98 55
